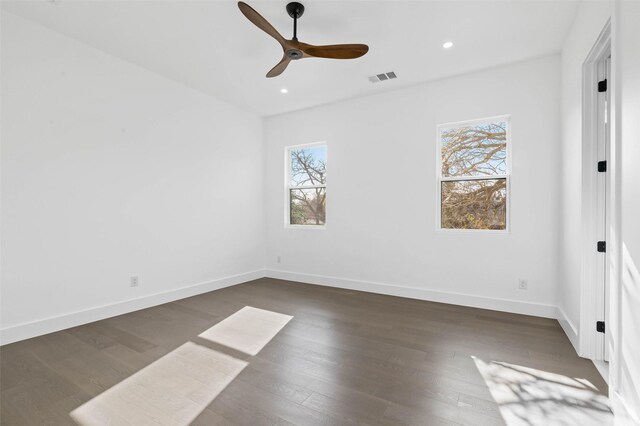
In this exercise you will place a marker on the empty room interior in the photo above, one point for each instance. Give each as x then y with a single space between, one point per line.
372 213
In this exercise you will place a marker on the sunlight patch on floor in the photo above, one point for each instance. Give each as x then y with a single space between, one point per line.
248 330
174 389
171 391
527 396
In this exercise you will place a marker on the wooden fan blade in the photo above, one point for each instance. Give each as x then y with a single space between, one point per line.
335 51
279 69
260 22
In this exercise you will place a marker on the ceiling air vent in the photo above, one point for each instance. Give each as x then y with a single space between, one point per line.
382 77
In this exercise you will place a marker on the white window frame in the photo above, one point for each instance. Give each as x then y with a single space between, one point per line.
440 178
288 187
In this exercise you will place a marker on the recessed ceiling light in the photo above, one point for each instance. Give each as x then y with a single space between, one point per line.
448 45
284 91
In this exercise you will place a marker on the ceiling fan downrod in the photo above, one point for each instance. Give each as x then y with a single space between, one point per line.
295 10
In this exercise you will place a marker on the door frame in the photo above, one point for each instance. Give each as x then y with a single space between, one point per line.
592 295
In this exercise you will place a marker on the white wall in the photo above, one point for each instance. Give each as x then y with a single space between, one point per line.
109 171
626 344
589 22
381 202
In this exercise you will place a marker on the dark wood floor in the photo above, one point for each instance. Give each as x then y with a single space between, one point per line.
346 358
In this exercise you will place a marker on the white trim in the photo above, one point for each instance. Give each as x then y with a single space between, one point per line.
288 188
307 145
603 369
464 178
592 289
49 325
572 333
439 178
496 304
307 227
621 411
474 121
569 329
308 187
62 322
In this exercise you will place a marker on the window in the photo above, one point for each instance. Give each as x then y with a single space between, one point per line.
307 185
473 174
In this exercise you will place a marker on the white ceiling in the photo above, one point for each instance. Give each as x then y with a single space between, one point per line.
210 46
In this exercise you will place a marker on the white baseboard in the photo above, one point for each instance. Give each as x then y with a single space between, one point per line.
569 329
49 325
505 305
73 319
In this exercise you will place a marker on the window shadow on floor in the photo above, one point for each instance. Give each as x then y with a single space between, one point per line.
531 397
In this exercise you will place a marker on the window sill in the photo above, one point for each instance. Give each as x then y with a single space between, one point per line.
473 231
307 227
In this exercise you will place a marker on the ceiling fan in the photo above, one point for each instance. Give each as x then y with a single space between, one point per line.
294 49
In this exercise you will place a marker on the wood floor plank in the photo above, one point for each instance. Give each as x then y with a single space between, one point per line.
241 397
122 337
273 383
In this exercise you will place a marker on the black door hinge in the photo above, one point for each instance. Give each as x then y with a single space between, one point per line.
602 246
600 326
602 166
602 86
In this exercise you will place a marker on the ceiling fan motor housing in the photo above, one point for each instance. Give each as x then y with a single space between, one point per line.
294 54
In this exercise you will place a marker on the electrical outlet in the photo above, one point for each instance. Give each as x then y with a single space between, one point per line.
279 259
522 284
134 281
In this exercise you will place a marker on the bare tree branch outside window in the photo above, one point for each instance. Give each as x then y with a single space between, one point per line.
307 186
478 152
